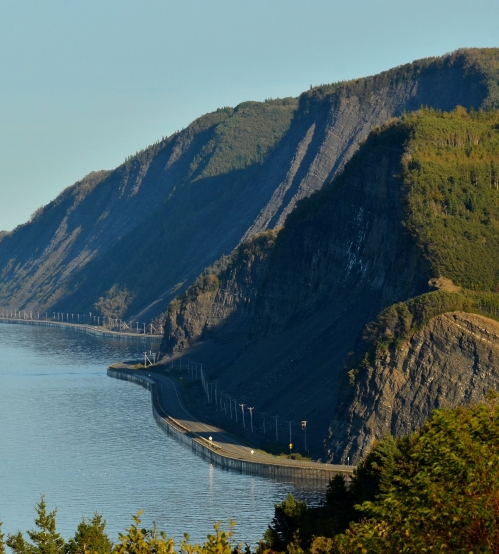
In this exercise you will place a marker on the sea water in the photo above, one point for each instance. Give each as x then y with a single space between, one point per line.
89 443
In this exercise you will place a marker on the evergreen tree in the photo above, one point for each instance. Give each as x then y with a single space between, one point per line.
2 543
90 536
45 539
285 526
137 540
18 544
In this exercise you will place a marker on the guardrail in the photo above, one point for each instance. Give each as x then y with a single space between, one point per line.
89 329
312 472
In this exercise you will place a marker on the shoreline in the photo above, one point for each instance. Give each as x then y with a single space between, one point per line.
228 454
89 329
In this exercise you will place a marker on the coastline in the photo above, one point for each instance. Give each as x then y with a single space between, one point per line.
219 453
89 329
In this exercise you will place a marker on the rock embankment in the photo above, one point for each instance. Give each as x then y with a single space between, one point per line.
452 361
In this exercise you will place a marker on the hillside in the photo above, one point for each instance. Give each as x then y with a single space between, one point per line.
124 242
293 328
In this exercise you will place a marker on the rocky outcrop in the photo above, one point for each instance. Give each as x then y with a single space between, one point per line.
347 270
452 361
219 306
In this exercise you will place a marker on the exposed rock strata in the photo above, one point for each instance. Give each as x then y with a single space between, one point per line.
453 361
153 224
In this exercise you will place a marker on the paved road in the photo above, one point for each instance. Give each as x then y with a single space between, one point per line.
171 404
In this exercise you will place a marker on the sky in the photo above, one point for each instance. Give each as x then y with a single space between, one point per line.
86 83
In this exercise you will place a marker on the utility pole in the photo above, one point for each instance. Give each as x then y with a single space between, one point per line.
264 414
276 434
290 442
242 409
304 427
251 416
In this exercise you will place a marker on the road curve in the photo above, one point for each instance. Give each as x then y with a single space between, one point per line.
171 408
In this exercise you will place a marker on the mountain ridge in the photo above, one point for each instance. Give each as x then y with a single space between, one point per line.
181 203
374 238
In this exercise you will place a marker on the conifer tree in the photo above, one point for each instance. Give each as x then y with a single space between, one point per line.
90 536
45 539
2 543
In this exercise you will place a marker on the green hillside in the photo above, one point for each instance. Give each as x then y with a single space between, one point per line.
450 171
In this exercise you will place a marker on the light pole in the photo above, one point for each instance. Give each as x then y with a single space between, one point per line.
290 442
276 435
251 416
304 427
242 409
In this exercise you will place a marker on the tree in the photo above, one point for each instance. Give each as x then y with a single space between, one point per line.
285 525
17 543
142 541
339 501
90 536
443 494
2 543
45 539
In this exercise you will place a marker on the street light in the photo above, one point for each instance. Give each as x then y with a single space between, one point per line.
304 427
242 409
211 441
251 417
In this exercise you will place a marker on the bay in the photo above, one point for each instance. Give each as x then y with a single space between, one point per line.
89 443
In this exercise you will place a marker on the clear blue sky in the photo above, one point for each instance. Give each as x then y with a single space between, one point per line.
85 83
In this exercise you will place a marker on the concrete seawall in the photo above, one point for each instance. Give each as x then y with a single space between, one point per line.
88 329
311 473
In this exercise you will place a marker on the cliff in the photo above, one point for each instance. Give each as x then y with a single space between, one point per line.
417 206
452 361
122 243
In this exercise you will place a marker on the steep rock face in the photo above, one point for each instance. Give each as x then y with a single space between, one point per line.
150 227
418 196
219 305
332 270
453 361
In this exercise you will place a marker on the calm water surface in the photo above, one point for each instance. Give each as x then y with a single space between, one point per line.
90 443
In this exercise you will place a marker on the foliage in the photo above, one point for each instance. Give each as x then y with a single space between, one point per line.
2 541
44 539
450 172
400 321
436 490
214 277
115 303
91 537
285 524
440 493
142 541
245 138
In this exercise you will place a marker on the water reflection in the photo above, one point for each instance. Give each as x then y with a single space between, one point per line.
90 443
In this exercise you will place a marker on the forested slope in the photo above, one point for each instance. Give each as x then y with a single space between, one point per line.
417 206
122 242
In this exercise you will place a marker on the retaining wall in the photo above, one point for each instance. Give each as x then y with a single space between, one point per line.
312 472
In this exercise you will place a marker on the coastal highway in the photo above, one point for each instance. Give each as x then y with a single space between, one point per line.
172 408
